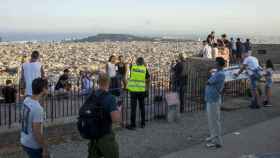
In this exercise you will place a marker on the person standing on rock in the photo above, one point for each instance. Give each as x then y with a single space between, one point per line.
31 70
213 98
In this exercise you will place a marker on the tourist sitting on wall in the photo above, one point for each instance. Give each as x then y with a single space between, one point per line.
9 93
206 51
223 51
63 83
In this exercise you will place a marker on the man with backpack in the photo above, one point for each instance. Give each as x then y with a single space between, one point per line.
95 121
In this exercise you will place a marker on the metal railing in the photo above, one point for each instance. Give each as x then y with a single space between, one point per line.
63 105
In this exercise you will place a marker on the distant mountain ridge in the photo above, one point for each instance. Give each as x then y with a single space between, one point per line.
114 37
122 38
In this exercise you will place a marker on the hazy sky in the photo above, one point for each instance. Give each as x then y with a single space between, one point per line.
141 16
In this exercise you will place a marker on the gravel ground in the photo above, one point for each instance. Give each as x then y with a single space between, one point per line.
160 138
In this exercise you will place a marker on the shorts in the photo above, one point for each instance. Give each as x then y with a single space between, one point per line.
268 83
253 82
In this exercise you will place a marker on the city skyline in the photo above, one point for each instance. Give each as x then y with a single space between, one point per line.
254 17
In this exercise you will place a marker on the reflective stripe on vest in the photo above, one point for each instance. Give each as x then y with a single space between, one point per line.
137 81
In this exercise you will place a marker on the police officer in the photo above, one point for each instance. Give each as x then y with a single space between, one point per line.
137 86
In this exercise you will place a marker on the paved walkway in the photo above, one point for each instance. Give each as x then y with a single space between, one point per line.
260 138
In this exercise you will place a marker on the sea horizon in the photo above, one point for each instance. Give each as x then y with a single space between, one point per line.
60 36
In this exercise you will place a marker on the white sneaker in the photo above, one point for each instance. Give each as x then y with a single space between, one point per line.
208 139
268 105
213 145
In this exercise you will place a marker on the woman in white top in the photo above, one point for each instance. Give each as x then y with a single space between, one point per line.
111 70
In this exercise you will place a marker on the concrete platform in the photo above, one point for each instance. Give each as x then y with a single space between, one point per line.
254 140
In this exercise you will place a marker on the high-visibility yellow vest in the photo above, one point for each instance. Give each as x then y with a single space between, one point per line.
137 81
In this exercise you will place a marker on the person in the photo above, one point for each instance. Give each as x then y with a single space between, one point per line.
223 51
239 46
269 68
248 46
211 38
225 40
137 86
232 49
206 51
31 70
31 136
111 70
122 70
215 51
214 88
106 146
63 81
251 65
180 79
9 92
87 83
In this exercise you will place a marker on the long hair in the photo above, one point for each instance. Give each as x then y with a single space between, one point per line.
111 57
269 64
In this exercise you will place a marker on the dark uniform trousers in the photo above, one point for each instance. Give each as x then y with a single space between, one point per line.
137 97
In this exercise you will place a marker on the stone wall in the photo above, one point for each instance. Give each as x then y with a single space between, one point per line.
267 51
200 66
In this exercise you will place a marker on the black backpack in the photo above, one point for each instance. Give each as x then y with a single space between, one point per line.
93 121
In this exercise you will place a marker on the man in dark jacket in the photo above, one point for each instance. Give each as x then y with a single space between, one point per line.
180 79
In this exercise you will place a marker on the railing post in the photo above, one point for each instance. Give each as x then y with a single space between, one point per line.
10 115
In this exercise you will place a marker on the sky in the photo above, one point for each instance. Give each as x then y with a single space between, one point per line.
260 17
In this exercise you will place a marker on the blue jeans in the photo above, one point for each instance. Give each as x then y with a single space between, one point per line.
214 122
33 153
